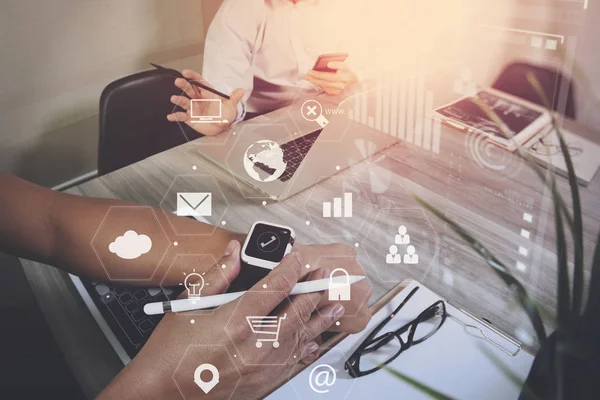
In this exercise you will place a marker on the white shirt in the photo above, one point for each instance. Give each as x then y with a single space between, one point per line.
267 46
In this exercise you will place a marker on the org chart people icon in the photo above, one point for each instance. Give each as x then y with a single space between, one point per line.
411 257
393 257
402 237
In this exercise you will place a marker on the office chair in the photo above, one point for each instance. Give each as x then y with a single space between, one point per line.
513 80
133 120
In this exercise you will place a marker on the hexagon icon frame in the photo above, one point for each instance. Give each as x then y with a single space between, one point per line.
317 221
250 183
214 265
369 250
207 346
220 192
268 344
164 251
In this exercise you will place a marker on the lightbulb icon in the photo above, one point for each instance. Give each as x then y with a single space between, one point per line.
194 283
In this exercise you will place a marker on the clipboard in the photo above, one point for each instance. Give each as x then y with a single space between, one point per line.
460 360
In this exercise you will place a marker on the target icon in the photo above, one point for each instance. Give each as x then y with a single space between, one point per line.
486 154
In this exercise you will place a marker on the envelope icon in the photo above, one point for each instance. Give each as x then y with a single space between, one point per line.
194 204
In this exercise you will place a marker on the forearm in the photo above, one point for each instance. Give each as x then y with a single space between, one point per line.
83 248
141 379
73 233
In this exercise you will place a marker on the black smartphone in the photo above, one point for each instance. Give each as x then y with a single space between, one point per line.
322 63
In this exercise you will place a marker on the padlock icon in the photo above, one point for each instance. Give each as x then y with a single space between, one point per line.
339 291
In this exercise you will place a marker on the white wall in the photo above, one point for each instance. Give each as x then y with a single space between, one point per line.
58 55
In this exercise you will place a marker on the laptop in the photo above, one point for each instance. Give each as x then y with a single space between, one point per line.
205 104
314 139
309 150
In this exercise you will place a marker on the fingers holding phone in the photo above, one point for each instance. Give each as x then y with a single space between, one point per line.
331 73
206 110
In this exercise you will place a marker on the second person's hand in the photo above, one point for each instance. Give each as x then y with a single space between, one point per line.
332 83
229 108
330 257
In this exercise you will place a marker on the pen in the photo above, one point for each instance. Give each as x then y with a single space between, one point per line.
195 83
202 303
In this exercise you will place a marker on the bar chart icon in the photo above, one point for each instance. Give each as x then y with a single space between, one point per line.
340 208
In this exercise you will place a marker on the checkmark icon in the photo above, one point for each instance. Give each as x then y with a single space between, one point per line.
194 204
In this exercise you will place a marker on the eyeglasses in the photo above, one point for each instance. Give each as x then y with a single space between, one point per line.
385 348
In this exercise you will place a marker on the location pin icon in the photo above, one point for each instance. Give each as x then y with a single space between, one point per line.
206 386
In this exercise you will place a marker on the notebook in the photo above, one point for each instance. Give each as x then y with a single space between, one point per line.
453 361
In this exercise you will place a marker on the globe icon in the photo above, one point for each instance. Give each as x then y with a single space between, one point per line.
263 161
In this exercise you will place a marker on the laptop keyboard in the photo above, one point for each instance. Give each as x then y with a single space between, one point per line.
122 306
294 152
123 309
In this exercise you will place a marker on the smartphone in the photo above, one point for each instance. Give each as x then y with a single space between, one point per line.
322 62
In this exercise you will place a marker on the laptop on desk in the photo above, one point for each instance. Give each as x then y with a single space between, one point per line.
294 148
280 156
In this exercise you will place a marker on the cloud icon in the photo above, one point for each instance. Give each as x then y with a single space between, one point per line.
130 245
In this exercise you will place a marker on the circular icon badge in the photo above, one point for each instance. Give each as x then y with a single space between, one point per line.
312 110
321 378
263 161
268 242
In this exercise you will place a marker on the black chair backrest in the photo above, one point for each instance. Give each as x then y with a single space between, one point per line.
513 80
133 120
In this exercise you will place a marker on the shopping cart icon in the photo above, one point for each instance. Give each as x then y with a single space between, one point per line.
268 326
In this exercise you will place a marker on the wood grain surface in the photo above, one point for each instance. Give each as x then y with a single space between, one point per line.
490 204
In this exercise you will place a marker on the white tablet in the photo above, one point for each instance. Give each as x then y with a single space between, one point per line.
521 118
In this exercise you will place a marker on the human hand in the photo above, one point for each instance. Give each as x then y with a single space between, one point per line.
332 256
228 111
166 364
332 83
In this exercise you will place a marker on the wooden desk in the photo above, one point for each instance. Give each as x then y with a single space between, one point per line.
489 204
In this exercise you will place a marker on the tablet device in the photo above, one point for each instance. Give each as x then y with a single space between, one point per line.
521 118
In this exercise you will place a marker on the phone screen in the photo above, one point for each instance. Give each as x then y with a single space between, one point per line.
324 59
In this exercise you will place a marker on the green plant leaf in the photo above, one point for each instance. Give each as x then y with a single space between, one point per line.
519 290
530 161
564 317
563 300
577 230
418 385
562 289
593 301
514 378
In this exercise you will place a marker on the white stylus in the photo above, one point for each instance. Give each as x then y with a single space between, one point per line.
202 303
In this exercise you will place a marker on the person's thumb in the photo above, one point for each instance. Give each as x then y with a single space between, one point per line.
224 271
237 95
